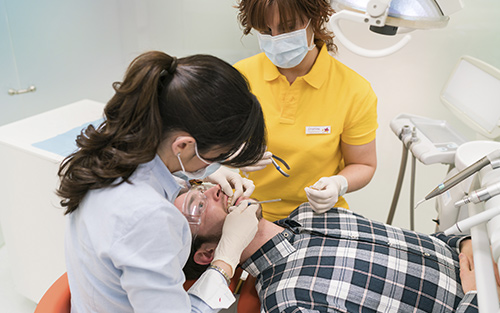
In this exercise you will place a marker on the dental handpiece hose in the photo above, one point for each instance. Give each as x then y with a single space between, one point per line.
468 171
479 195
466 224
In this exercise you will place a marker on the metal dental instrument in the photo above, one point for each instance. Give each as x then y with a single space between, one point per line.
265 201
278 167
468 171
480 195
419 203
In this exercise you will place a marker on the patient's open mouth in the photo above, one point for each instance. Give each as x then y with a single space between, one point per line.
226 201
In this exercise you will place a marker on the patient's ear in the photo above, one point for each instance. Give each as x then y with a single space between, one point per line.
205 254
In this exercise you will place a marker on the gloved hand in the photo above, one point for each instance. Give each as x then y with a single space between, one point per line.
229 179
238 231
325 192
261 164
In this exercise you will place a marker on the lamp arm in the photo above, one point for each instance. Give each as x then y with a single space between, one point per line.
361 18
376 8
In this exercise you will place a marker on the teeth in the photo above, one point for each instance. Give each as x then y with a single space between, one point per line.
229 200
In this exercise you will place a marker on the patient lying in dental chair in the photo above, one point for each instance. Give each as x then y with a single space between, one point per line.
341 261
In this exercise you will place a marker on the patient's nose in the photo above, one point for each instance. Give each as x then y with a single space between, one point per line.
214 193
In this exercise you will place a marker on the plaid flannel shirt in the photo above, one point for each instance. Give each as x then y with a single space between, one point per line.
342 262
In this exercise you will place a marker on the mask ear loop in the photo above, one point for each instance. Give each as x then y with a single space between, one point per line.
180 162
312 39
179 154
198 155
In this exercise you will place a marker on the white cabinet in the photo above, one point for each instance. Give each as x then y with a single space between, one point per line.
30 215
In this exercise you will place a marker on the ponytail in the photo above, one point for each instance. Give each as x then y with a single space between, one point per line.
129 135
201 95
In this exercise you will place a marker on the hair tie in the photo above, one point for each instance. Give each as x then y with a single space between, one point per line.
173 66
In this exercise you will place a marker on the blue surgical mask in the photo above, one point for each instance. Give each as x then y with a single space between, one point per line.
199 174
286 50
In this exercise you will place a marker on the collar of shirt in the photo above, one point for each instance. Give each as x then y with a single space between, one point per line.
316 76
165 179
279 247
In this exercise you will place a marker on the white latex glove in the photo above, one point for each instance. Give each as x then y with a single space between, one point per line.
261 164
238 231
229 179
325 192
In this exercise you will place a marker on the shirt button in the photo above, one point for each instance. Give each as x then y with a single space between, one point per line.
285 234
426 254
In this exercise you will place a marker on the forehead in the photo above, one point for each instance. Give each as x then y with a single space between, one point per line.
266 13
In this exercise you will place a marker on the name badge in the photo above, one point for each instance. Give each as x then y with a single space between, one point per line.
318 130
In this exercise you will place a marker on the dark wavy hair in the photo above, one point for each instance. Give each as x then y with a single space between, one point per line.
252 14
200 94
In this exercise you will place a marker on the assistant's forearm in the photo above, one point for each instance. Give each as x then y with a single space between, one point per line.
360 164
358 175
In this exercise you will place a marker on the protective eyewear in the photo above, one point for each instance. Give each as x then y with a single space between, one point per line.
278 167
194 206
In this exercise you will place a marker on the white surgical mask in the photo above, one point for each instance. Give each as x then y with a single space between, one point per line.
199 174
286 50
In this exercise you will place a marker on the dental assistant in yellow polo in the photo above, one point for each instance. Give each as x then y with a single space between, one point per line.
306 123
321 116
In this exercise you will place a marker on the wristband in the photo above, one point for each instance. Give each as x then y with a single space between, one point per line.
222 272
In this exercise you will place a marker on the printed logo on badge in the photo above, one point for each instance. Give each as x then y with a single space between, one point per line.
318 130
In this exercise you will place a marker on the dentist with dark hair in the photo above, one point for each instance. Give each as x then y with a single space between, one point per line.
126 243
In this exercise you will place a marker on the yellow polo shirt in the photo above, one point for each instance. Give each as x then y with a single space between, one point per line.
305 122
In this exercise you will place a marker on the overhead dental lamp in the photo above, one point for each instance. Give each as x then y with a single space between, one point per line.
389 17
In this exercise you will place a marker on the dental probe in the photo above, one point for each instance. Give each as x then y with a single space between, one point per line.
265 201
258 202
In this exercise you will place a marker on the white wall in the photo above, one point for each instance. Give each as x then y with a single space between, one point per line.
187 27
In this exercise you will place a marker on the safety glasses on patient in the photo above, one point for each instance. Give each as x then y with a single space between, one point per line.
194 206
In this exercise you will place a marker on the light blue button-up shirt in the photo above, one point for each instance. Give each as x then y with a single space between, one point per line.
126 246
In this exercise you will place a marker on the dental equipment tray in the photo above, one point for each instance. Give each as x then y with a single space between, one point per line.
437 140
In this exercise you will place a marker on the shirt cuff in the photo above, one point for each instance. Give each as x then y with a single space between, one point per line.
212 288
468 303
